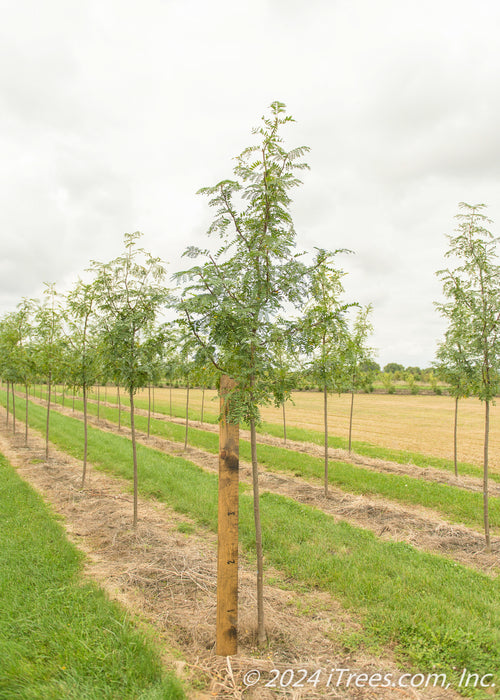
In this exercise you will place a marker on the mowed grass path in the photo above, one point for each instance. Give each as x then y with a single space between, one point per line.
61 638
421 426
433 612
454 504
411 425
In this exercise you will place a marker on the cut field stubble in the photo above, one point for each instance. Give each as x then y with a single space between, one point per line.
421 424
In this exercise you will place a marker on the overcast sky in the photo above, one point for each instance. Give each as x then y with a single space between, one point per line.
114 113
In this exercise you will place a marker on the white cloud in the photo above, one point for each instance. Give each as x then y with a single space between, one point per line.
112 116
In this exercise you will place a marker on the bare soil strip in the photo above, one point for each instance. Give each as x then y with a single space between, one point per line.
169 579
419 526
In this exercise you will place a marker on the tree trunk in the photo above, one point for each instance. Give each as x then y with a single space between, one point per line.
149 408
26 422
7 417
284 423
134 453
261 631
13 409
350 421
98 400
74 392
455 431
325 411
202 404
119 408
485 477
187 418
85 434
49 386
227 529
170 401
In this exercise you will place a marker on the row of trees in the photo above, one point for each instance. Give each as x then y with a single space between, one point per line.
468 358
253 310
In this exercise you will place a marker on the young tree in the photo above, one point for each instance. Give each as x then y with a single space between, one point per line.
187 366
9 360
49 345
455 368
286 360
357 354
25 360
324 334
130 293
234 297
473 309
83 343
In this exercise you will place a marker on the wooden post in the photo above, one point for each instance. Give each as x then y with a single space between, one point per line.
227 554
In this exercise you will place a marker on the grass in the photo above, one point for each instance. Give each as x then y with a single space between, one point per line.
61 638
435 613
299 434
455 504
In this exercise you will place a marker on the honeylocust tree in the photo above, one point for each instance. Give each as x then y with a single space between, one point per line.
25 361
324 334
357 354
234 296
10 359
154 351
130 293
49 345
82 337
205 375
285 355
472 289
454 366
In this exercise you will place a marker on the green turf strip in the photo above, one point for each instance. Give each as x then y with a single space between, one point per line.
435 612
61 638
455 504
316 437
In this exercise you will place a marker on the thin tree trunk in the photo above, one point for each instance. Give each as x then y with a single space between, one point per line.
7 418
26 422
485 477
202 404
13 408
455 431
48 417
284 423
134 453
350 421
261 631
227 529
119 408
187 418
149 408
170 401
85 434
325 416
98 400
74 392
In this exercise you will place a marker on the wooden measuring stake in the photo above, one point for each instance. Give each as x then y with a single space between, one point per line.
227 553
